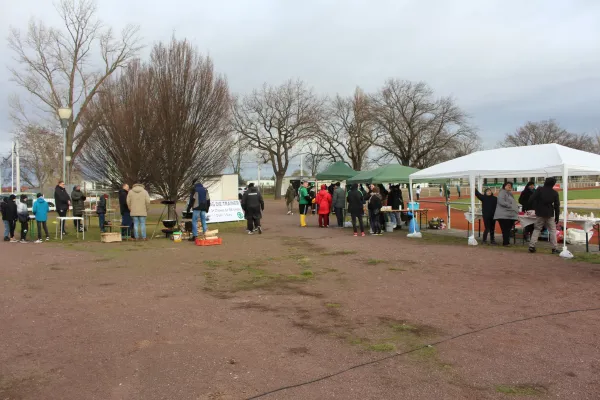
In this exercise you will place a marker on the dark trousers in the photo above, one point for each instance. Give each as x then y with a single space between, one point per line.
360 221
126 220
371 218
12 227
41 224
77 223
339 215
62 213
24 227
490 227
376 223
253 223
323 220
506 226
304 209
101 218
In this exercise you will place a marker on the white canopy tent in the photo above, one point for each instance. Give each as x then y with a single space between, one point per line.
539 160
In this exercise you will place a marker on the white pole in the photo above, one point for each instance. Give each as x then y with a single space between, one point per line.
18 166
565 253
301 165
416 233
472 241
12 167
258 177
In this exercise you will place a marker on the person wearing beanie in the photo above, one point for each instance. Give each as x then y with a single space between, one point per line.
9 217
253 206
546 203
323 201
524 202
23 216
40 210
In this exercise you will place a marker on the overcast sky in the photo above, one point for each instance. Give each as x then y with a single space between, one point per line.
505 62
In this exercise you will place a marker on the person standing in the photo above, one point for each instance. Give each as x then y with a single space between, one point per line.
507 212
138 202
488 205
457 190
323 202
253 206
418 192
338 203
395 201
9 217
375 205
23 216
524 202
62 202
78 199
125 214
546 203
290 195
441 192
40 210
101 211
200 203
304 202
355 207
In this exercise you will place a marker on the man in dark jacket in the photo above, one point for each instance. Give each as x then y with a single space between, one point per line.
62 202
78 199
338 202
9 217
253 205
200 203
126 219
355 208
488 208
546 203
524 202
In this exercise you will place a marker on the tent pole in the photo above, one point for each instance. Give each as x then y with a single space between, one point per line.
416 234
472 241
565 253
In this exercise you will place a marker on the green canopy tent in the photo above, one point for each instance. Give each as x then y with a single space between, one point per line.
338 171
392 173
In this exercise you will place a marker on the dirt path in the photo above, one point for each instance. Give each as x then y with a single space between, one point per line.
159 320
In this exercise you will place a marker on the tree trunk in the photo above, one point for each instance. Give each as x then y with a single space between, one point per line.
278 183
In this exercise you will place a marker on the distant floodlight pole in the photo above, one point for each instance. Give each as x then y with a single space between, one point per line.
65 113
18 166
12 167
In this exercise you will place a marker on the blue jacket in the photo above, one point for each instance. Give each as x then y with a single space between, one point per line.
40 209
199 198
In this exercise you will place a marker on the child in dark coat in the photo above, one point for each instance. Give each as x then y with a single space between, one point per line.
488 202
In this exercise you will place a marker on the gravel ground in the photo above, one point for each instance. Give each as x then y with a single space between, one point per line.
159 320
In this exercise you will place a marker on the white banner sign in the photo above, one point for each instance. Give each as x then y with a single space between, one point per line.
225 211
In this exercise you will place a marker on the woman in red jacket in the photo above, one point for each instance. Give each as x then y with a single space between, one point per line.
323 201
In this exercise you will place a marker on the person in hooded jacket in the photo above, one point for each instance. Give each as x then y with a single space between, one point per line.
524 202
62 202
290 196
395 201
77 199
101 211
138 201
338 202
374 206
40 210
488 208
23 216
9 217
355 208
546 203
507 212
253 206
323 202
200 203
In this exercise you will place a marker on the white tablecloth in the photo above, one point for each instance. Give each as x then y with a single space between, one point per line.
586 224
477 216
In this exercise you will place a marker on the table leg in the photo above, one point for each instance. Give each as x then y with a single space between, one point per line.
56 230
479 227
587 242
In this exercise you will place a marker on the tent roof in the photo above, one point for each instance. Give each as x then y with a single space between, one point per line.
538 160
339 171
393 173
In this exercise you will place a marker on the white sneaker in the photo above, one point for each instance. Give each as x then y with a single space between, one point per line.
39 241
13 240
250 233
24 241
47 239
289 213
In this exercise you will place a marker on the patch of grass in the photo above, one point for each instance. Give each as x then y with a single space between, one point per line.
213 263
520 390
307 273
428 353
356 341
382 347
592 258
339 253
403 327
333 305
374 261
396 269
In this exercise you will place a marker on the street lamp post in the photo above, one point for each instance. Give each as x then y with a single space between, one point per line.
64 113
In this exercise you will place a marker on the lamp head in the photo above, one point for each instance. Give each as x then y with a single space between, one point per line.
64 113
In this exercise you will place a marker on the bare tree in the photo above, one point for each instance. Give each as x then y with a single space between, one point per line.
314 157
41 156
547 131
275 119
56 65
348 132
164 123
415 128
239 148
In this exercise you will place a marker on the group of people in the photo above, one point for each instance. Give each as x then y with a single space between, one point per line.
15 210
505 209
332 200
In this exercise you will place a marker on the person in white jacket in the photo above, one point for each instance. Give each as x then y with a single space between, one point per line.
23 216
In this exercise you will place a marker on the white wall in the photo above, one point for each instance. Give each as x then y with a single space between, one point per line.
222 187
